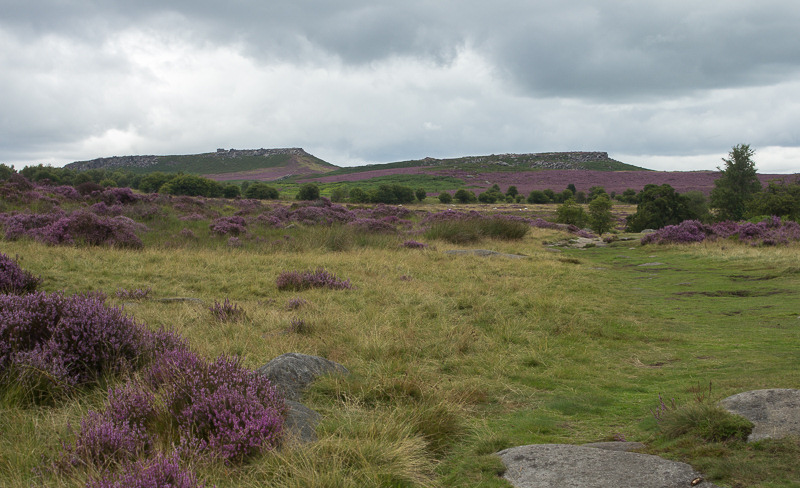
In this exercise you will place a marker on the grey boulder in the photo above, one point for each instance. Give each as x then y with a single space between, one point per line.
292 373
774 413
567 466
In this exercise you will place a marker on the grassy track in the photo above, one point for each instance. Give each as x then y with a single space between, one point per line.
455 357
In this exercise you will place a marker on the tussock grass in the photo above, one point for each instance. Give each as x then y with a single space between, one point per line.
452 357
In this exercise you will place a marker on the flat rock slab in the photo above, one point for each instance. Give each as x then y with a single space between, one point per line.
292 373
774 413
616 446
567 466
485 253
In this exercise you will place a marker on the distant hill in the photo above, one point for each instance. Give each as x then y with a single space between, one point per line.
286 163
224 164
597 161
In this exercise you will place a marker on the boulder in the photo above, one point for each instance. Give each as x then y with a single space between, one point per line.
616 446
567 466
301 422
292 373
775 413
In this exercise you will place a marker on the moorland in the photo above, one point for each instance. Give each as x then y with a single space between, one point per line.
451 357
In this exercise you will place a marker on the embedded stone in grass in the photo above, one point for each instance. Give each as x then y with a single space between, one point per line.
548 465
292 373
485 253
775 413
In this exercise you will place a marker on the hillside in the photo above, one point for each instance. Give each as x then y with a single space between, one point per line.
575 160
224 164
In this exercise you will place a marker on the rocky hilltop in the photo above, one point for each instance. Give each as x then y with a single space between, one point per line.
548 160
143 162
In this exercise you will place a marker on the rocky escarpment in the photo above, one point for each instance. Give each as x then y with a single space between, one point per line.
549 160
147 161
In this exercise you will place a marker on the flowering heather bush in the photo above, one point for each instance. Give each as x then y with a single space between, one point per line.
86 227
769 232
372 225
412 244
19 225
15 280
115 195
383 210
102 441
101 208
226 311
234 242
161 472
685 232
67 192
303 280
221 408
234 226
50 343
137 294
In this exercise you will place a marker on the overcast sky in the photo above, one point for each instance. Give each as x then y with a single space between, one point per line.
669 85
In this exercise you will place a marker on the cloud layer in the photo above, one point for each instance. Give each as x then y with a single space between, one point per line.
668 86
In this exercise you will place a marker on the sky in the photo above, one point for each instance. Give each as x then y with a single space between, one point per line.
667 85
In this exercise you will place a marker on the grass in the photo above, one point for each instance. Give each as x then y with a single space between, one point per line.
455 357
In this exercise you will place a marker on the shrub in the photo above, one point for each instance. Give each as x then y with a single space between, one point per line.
421 194
465 196
50 343
234 226
295 303
15 280
261 191
88 228
445 197
412 244
571 213
226 311
221 409
308 191
163 471
303 280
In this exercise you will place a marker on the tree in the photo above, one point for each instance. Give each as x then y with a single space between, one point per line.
308 191
261 191
570 212
421 194
781 199
192 185
465 196
487 197
512 190
659 206
445 197
600 218
538 196
736 185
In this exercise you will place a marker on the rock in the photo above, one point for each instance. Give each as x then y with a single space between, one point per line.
616 446
566 466
651 264
484 253
774 413
301 422
292 373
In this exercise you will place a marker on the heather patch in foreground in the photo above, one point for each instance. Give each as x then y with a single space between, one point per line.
51 344
15 280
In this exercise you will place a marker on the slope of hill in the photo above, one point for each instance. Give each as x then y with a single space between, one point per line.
598 161
224 164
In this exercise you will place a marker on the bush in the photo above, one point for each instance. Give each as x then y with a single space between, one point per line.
445 197
163 471
465 196
15 280
233 226
79 227
226 311
308 191
538 196
303 280
570 212
261 191
50 343
421 194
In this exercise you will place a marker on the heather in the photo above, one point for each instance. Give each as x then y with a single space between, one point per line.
14 279
51 344
452 357
768 232
317 278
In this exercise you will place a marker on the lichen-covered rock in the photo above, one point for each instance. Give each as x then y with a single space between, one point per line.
775 413
292 373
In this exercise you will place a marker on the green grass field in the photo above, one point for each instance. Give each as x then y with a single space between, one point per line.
455 357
